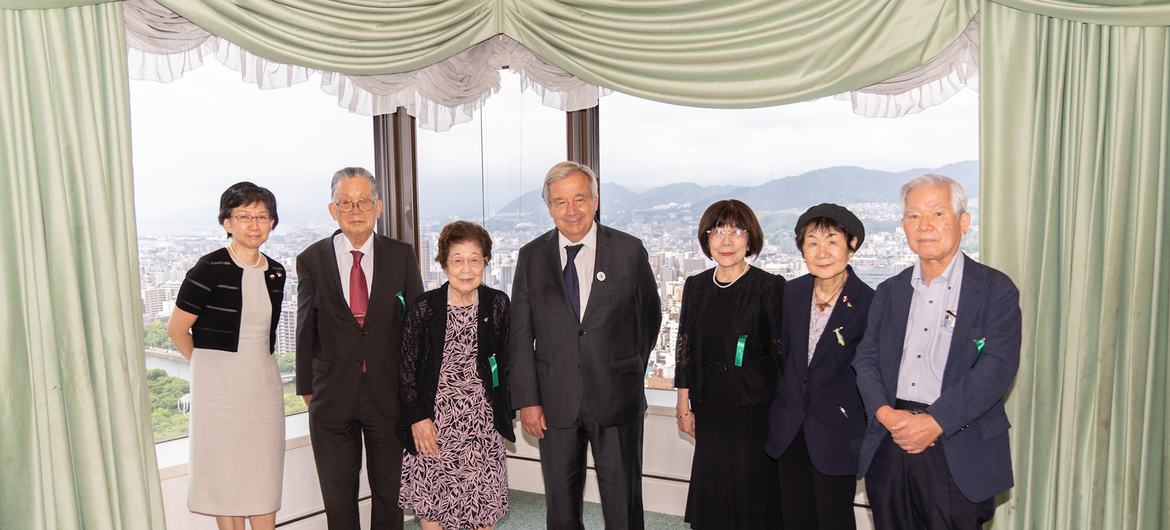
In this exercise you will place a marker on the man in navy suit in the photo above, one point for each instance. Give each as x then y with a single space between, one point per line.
940 351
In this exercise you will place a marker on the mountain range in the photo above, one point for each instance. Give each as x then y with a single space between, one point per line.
839 184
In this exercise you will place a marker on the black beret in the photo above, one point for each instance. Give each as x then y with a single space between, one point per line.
836 212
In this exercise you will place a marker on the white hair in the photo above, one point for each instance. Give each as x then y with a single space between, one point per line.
352 173
564 170
958 195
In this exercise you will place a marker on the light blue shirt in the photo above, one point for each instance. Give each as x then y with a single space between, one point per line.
933 311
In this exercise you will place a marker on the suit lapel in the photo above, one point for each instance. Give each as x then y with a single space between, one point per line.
801 322
841 317
891 362
334 273
380 283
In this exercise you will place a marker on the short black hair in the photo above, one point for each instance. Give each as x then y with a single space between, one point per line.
734 213
828 224
243 194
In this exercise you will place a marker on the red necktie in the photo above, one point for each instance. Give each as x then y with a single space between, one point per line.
359 296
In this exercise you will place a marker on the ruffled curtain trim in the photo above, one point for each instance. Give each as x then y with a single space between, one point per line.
956 67
163 46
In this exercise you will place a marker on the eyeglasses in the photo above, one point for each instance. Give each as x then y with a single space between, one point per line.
458 263
245 218
727 231
364 205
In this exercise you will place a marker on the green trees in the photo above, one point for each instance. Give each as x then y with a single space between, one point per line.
165 391
155 336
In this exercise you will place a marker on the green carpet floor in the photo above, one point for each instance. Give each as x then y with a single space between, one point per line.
526 511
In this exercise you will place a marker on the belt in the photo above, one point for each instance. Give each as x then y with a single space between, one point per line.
911 406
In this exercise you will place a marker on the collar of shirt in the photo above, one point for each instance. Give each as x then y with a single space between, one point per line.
342 246
949 276
590 239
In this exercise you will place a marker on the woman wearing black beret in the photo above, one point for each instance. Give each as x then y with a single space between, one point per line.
817 418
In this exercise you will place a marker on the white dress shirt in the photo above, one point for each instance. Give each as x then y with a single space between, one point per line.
585 260
933 313
342 248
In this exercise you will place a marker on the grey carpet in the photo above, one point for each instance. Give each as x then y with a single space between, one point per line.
526 511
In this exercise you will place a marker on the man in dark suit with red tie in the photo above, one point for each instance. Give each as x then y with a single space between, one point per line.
585 315
351 299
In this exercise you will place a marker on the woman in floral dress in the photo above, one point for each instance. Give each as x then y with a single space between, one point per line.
455 409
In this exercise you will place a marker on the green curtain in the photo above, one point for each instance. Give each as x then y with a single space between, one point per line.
1115 12
1076 208
76 449
714 53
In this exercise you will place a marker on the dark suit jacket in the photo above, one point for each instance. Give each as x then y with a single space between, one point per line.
970 408
821 397
329 340
555 358
423 341
757 314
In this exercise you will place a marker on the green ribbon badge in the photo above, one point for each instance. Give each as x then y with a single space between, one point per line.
402 300
840 339
495 371
739 350
979 344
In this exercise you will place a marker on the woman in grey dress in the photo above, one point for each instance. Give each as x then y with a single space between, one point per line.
224 322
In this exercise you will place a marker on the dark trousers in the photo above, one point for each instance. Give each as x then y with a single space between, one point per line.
337 449
809 499
617 458
916 492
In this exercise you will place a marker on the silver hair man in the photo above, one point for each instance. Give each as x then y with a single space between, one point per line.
563 170
353 172
958 194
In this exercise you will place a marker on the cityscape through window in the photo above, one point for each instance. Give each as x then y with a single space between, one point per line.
192 139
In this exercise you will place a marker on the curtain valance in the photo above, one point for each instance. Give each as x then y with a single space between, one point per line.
1108 12
442 59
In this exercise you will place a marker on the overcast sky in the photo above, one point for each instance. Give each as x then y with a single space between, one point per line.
195 136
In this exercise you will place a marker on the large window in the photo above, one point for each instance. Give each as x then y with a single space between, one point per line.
662 165
192 139
490 171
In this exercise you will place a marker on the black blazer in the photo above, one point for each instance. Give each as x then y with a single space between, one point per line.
330 343
423 340
757 315
821 397
211 291
558 361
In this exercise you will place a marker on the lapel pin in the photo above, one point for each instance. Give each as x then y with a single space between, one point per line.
600 276
847 303
840 339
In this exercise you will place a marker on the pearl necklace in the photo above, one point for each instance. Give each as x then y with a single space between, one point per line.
728 284
259 257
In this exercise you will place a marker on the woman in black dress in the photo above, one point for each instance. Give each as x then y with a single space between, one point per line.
728 341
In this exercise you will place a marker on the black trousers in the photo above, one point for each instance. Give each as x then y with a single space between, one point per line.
917 492
337 449
617 458
809 499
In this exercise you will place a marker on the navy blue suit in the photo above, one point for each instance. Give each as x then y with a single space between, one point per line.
821 397
970 408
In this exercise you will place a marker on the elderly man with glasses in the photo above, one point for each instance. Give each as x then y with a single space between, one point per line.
351 301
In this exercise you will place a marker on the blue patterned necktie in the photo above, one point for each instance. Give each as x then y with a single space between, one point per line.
569 274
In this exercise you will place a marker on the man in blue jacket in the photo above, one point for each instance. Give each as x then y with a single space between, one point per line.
940 351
